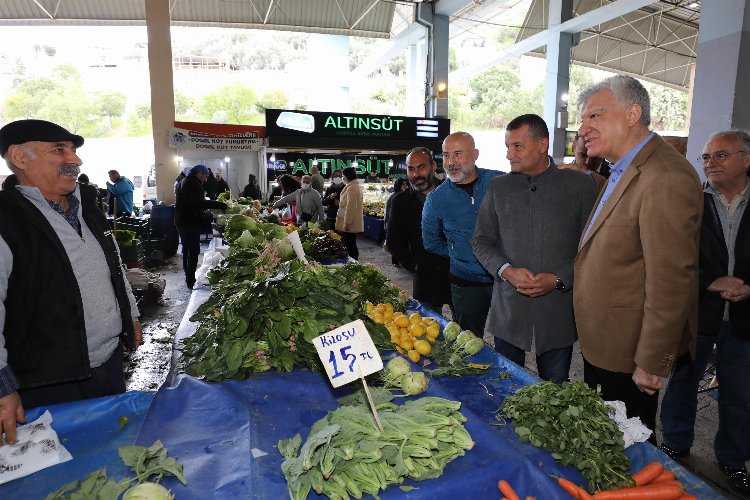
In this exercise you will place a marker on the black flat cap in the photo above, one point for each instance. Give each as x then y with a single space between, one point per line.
21 131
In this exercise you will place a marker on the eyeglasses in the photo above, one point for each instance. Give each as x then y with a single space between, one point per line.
718 157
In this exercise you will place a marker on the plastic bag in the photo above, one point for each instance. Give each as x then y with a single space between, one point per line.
211 259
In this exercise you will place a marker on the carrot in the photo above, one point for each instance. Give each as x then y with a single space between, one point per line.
573 489
667 475
661 491
648 473
687 496
507 490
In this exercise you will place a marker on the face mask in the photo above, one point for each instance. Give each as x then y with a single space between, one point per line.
338 180
306 186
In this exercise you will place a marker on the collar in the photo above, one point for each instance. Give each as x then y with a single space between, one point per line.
623 163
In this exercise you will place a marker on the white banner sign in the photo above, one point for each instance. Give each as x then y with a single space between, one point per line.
181 138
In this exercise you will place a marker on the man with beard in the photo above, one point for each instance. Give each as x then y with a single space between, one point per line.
527 235
65 307
448 221
431 278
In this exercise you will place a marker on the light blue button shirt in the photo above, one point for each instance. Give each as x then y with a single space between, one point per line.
616 172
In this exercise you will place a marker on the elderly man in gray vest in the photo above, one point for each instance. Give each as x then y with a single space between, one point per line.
65 306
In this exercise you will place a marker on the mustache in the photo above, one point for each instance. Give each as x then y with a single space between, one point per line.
70 169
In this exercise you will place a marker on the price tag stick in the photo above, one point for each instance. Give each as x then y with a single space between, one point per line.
372 404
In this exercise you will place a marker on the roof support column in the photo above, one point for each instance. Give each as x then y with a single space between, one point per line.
162 95
558 78
416 63
722 75
437 59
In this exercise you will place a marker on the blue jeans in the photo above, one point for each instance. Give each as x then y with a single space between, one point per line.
732 442
471 305
553 365
191 249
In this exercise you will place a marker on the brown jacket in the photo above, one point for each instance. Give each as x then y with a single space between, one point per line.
636 273
350 209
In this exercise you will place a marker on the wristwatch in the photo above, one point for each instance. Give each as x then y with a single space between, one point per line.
559 285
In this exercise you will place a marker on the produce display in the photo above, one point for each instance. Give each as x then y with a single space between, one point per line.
374 208
398 375
345 453
572 422
322 245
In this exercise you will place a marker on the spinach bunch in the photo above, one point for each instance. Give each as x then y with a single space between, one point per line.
572 422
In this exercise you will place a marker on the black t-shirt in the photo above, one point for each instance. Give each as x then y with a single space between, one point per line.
469 188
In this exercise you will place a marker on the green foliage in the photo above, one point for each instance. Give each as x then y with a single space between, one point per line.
276 99
139 121
668 108
184 105
498 97
572 422
233 103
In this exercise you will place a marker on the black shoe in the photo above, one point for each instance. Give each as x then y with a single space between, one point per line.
739 479
190 284
674 453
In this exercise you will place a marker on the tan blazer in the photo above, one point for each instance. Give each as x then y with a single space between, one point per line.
636 273
350 209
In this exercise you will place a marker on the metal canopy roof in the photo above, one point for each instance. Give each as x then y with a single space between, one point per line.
657 43
368 18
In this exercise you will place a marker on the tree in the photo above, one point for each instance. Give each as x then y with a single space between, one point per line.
139 121
668 108
184 105
272 100
233 103
110 104
69 107
580 80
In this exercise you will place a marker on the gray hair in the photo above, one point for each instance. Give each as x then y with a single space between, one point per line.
741 135
627 91
28 150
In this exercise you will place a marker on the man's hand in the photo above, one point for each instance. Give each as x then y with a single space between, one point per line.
518 277
528 283
11 412
738 294
645 381
138 338
725 284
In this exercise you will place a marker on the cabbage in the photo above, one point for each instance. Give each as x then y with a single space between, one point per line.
236 224
148 491
450 332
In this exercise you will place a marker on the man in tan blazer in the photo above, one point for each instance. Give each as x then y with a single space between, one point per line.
636 273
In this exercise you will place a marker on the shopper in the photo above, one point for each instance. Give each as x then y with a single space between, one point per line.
350 219
191 218
306 201
121 194
221 184
317 179
66 306
251 190
400 184
331 197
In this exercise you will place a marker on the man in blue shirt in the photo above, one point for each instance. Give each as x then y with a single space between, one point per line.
121 191
448 218
636 272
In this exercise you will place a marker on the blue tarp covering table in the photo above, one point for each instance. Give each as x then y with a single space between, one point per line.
374 228
91 432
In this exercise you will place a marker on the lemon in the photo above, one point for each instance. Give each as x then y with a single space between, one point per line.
387 315
377 318
406 344
402 321
389 306
415 317
416 330
369 306
423 347
414 355
433 330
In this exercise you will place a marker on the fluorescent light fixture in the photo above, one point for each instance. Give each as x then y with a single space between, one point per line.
227 159
273 157
390 163
179 158
315 162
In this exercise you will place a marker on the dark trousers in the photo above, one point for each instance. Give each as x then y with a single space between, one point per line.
105 380
617 386
679 406
553 365
350 242
471 304
191 249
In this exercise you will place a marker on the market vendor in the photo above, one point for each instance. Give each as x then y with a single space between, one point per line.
309 206
65 305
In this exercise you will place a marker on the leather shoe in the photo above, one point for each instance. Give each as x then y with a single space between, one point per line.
739 479
673 453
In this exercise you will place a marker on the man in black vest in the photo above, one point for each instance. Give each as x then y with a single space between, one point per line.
723 315
65 306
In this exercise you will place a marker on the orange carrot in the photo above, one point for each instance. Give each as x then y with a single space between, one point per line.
661 491
648 473
667 475
688 496
507 490
573 489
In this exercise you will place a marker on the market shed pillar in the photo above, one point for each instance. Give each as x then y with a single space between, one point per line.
162 95
722 74
557 80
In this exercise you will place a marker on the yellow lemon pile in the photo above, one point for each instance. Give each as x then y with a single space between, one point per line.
411 335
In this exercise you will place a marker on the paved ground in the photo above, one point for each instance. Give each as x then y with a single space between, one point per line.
150 362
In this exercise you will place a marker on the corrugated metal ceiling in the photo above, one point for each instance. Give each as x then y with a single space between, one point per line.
371 18
657 43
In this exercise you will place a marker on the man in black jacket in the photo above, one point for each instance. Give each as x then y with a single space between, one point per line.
404 236
724 314
191 217
66 306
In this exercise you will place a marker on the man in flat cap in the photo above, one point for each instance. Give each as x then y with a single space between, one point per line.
65 307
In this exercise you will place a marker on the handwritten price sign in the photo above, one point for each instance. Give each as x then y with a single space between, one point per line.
348 353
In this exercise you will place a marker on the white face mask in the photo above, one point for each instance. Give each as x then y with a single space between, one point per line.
306 186
338 180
